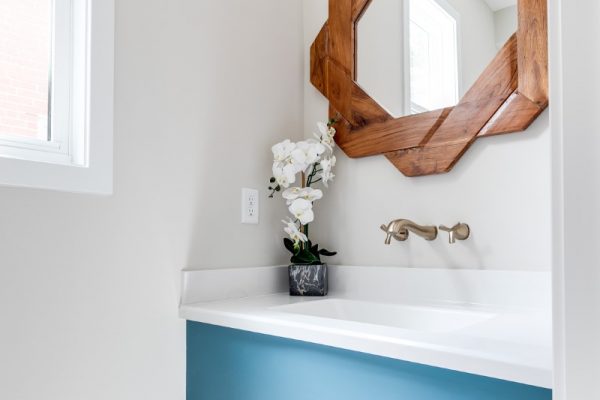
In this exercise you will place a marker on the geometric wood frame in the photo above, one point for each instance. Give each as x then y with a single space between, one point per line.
508 96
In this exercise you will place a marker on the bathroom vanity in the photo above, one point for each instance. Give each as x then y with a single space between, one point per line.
436 334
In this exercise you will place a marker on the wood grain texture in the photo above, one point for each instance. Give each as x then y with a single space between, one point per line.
460 129
531 96
341 34
384 136
533 50
508 96
515 115
416 162
358 9
488 93
500 78
318 61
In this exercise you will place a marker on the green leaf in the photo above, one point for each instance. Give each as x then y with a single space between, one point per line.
305 257
315 251
327 253
289 244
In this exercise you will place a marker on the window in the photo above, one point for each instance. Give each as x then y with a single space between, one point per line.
24 68
56 96
433 55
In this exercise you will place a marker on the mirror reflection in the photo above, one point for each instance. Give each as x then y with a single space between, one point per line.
420 55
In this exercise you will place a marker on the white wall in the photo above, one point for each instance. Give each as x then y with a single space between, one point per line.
89 285
506 22
476 41
575 121
380 54
501 188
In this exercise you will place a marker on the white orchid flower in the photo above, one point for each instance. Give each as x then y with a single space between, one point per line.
309 194
312 150
326 135
328 142
298 156
284 174
326 130
323 128
302 210
326 178
298 161
327 165
292 230
292 194
282 151
290 159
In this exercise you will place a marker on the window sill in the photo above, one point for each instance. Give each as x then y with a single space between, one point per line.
65 178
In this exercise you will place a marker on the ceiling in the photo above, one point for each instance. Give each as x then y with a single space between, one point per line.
496 5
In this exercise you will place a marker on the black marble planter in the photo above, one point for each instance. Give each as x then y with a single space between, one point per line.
308 280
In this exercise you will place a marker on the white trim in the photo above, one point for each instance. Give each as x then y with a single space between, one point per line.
91 171
406 57
64 56
556 128
574 103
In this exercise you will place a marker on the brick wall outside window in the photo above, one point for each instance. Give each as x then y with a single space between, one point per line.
24 67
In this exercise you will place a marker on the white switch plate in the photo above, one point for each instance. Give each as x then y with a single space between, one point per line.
249 206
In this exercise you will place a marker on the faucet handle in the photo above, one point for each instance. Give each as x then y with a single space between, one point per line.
459 231
393 231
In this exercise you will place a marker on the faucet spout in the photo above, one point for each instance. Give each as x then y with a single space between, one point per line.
400 228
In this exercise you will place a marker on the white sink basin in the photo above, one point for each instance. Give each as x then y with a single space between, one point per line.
419 318
461 320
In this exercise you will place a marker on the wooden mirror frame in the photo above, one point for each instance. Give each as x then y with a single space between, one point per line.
508 96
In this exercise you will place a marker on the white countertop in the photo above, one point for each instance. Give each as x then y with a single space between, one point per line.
506 341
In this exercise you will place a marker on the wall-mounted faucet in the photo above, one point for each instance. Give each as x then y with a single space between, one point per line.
399 229
459 231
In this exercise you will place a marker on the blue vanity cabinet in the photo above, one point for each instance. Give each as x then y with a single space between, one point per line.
228 364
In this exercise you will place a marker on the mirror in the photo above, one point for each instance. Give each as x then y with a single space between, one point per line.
420 55
506 97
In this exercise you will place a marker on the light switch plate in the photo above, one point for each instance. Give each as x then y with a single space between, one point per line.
249 206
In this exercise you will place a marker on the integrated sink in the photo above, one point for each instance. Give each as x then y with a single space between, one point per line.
490 323
418 318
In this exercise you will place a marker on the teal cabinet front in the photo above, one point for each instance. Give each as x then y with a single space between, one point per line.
228 364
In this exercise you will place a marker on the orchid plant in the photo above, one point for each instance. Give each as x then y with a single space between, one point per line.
313 160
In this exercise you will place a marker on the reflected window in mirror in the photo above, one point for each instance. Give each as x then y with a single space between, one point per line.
420 55
433 47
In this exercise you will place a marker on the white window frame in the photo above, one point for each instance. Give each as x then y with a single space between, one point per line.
80 156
